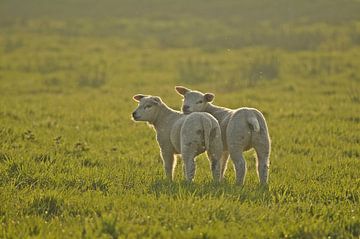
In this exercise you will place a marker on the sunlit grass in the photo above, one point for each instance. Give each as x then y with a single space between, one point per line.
74 164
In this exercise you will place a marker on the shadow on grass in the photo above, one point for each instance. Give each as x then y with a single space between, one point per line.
210 190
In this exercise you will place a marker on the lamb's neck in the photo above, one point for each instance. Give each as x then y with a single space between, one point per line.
165 117
218 112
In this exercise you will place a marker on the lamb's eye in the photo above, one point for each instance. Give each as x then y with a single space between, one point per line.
147 106
199 102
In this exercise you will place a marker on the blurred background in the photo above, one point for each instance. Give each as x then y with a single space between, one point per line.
225 45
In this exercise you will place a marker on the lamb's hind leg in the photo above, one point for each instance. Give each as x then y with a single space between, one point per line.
189 166
239 164
263 163
224 161
238 137
215 161
214 153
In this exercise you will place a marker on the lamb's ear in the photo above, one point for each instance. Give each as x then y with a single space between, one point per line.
209 97
157 100
138 97
181 90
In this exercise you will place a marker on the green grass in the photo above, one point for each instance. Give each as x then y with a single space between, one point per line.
74 164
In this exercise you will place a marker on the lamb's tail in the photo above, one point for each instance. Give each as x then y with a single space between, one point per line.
253 121
207 127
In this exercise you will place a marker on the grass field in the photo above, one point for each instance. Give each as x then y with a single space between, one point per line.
74 165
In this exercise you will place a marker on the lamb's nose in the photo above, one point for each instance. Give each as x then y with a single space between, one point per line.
134 113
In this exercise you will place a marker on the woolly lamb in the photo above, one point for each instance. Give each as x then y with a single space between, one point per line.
176 133
241 129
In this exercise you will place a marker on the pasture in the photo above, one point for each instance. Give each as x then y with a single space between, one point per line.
74 165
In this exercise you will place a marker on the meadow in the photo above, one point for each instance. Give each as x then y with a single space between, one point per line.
74 165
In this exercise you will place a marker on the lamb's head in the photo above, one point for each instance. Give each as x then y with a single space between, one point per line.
147 109
194 101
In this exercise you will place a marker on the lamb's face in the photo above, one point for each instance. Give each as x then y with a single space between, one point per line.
147 109
194 101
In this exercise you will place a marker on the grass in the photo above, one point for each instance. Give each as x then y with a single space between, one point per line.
74 165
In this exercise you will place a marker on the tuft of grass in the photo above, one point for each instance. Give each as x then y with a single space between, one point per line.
19 176
43 158
100 185
4 157
87 162
28 135
353 229
354 95
46 206
79 149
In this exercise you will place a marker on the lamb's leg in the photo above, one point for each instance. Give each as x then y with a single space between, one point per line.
214 153
239 164
224 160
215 162
189 166
263 163
169 164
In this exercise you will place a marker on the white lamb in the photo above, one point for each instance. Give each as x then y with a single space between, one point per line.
241 129
176 133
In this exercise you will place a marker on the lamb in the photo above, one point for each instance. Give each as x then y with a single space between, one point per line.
241 129
177 133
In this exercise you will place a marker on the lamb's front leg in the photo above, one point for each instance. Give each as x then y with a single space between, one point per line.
169 163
